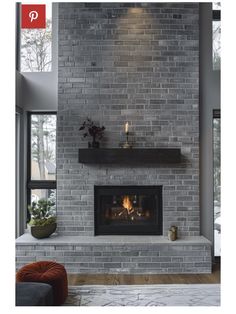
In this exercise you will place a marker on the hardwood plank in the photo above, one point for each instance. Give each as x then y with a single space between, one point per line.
123 279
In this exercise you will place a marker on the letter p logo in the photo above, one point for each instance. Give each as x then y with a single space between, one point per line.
33 16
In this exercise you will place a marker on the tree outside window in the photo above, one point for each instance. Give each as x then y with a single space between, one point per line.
217 186
43 143
216 32
36 46
216 36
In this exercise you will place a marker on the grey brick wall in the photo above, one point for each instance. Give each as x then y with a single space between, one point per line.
120 258
132 62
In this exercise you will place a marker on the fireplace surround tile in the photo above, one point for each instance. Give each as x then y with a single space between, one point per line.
118 254
113 74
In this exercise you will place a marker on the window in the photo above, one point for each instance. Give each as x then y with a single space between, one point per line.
41 157
43 146
217 182
216 5
36 47
216 36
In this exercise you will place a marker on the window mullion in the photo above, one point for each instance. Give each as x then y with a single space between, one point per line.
37 184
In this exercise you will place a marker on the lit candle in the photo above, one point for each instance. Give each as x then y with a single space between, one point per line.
126 127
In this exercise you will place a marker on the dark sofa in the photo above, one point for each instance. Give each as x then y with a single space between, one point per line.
33 293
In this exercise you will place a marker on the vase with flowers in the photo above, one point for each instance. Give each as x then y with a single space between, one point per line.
93 130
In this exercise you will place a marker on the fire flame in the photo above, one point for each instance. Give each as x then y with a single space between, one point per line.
127 204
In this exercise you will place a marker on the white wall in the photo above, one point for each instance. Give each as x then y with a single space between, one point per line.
39 91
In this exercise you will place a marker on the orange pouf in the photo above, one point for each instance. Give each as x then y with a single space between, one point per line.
48 272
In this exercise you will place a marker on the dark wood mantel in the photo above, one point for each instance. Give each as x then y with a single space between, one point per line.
130 155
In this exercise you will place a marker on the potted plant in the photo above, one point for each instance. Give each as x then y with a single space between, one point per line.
43 218
96 132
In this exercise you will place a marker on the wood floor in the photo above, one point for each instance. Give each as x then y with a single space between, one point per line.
121 279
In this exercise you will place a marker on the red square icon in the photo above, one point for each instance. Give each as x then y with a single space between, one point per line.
33 16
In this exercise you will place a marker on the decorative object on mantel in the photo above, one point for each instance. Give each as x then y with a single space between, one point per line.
172 233
127 144
93 130
43 219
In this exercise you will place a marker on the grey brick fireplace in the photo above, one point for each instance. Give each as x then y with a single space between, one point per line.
139 63
136 63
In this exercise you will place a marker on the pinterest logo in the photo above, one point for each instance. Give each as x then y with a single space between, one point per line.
33 16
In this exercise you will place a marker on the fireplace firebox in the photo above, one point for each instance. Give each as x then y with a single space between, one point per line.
128 210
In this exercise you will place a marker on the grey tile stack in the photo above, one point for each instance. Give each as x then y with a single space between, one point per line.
131 62
124 254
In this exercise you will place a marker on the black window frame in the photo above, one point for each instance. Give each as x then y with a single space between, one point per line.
216 113
216 15
35 184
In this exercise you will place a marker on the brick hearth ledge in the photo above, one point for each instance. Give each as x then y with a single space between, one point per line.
118 254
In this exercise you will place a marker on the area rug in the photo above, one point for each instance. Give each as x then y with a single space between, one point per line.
144 295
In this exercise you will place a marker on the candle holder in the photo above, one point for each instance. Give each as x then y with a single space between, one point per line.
127 144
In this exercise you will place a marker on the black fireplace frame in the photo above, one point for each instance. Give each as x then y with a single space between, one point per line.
155 228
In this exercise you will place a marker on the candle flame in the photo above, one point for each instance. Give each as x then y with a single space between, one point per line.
126 127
